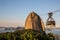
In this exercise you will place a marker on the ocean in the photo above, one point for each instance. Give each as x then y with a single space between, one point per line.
54 31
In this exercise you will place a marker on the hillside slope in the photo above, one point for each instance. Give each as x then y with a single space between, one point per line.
26 35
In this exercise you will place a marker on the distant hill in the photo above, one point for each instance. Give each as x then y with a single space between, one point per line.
26 35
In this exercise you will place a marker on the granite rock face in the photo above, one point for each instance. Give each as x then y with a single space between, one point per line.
34 22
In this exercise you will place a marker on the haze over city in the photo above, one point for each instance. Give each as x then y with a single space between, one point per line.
14 12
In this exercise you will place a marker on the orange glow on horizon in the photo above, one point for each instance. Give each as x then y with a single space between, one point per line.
10 23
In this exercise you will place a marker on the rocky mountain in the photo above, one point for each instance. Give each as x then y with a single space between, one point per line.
34 22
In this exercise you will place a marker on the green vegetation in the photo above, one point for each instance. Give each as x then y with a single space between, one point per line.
26 35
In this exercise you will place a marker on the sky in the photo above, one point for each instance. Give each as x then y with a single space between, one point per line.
13 13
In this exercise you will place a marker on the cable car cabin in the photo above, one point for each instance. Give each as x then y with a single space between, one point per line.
50 23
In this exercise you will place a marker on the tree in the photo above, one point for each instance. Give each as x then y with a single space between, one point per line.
26 35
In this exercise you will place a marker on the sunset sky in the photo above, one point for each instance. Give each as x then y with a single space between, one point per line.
14 12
